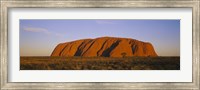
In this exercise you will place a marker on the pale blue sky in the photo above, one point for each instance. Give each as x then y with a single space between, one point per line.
40 37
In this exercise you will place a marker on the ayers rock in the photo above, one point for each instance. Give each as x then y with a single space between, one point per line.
105 47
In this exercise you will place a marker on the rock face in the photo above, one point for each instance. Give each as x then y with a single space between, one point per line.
105 47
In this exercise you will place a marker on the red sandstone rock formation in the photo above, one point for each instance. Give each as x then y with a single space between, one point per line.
105 47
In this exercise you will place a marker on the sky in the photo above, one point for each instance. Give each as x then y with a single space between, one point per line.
40 37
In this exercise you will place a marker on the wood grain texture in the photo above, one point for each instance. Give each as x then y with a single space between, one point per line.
6 4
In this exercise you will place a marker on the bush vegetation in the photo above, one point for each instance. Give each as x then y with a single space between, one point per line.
99 63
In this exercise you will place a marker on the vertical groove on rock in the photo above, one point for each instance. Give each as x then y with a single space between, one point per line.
101 47
79 51
63 49
106 53
89 47
83 47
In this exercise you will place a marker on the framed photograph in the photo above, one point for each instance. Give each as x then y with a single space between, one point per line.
122 44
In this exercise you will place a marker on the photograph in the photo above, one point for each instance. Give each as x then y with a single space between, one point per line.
99 44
